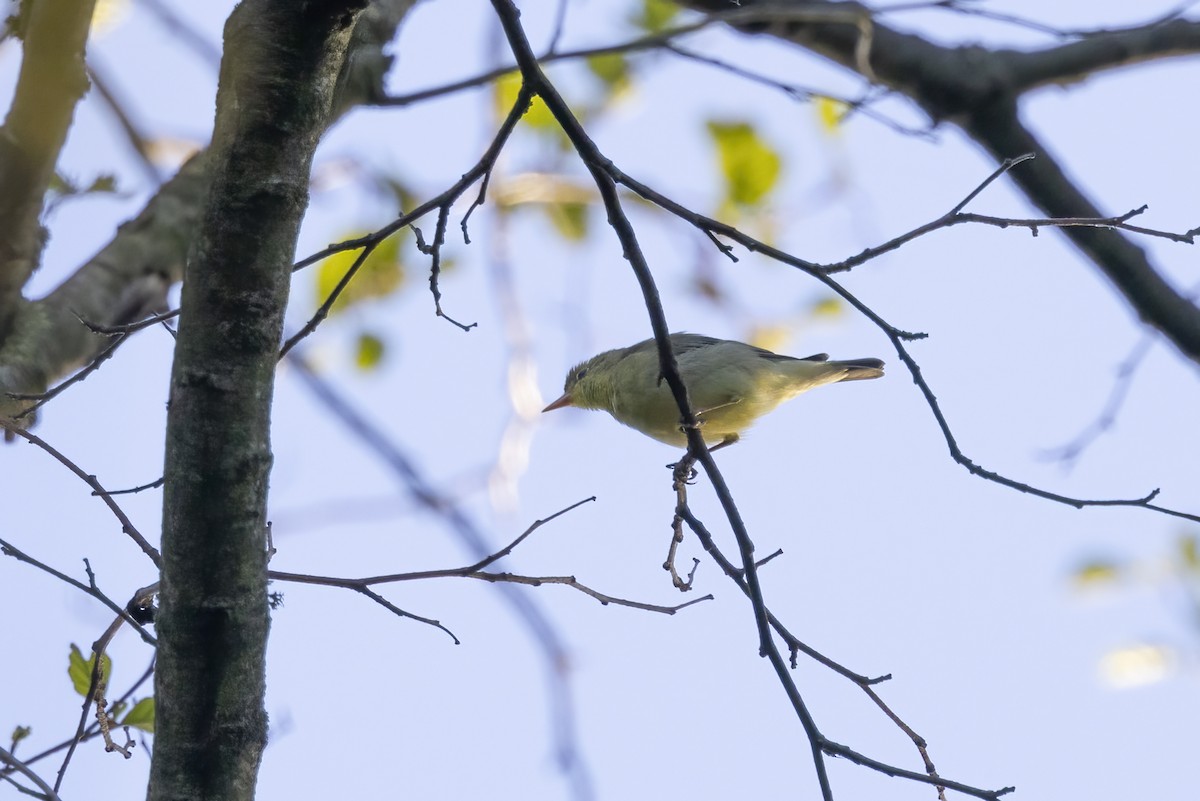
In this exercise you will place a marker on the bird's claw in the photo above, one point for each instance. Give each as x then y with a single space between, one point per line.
678 469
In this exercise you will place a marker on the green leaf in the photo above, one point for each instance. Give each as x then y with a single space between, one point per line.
379 276
80 669
141 716
62 185
538 117
750 166
369 351
1096 572
612 69
827 307
106 183
570 219
654 15
1189 552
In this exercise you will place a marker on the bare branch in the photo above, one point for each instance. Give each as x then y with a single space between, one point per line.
93 730
442 203
127 526
91 588
460 523
978 90
133 135
47 791
95 691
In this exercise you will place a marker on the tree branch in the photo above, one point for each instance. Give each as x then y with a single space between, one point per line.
1103 50
130 276
50 83
978 90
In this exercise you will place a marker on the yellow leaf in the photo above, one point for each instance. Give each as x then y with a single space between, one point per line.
612 69
369 352
750 166
379 276
1095 573
827 307
654 15
538 117
1189 552
107 14
569 219
830 114
770 337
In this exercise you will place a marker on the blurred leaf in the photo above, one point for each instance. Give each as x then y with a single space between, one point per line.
20 733
1096 573
612 69
107 14
830 114
827 307
569 219
654 15
141 716
103 183
1189 552
406 200
379 276
706 286
64 187
80 669
368 351
750 166
1136 666
538 117
770 337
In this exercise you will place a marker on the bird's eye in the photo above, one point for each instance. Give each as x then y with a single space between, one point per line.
582 372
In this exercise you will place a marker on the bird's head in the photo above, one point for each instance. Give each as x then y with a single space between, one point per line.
589 385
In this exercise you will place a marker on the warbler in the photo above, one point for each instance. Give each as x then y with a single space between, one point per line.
730 385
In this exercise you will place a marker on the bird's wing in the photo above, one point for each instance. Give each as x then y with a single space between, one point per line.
684 343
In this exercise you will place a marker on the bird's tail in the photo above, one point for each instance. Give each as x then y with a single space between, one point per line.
859 369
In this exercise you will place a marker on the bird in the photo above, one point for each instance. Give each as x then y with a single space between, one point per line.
730 385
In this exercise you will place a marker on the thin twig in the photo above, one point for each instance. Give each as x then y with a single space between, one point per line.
48 792
95 688
442 203
42 398
897 336
127 525
93 730
155 484
91 588
600 167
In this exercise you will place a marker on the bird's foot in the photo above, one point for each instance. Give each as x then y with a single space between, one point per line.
683 471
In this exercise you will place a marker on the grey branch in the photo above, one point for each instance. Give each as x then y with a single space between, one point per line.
978 89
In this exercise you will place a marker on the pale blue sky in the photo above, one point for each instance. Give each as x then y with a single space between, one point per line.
896 560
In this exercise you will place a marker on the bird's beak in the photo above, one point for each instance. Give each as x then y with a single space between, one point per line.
565 400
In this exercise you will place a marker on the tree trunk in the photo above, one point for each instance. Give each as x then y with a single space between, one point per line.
275 98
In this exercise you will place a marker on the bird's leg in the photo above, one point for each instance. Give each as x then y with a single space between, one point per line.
729 440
